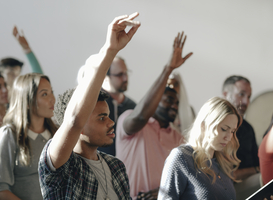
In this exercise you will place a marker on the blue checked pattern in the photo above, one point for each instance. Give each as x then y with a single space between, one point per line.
76 180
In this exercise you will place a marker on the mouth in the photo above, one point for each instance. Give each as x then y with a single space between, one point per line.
223 144
111 133
173 112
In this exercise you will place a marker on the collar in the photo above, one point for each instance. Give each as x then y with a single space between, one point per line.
46 134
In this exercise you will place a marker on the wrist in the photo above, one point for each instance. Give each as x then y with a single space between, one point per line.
27 50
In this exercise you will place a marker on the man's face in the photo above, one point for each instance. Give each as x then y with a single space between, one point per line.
10 74
118 75
99 131
168 107
239 96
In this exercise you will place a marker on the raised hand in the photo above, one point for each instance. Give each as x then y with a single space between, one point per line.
21 39
176 58
117 38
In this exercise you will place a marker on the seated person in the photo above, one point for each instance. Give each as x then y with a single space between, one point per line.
237 90
202 169
26 129
144 136
70 166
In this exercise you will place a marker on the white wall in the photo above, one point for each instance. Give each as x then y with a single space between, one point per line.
227 37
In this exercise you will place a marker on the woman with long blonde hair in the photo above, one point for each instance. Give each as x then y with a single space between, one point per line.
26 128
202 168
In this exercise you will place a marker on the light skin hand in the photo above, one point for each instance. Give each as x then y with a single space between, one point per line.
177 59
117 37
20 38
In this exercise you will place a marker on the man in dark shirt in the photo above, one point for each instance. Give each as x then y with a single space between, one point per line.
237 90
115 84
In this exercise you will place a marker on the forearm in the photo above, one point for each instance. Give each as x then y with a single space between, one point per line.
80 107
8 195
241 174
147 106
34 63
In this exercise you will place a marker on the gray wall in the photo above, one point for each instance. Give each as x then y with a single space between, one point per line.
227 37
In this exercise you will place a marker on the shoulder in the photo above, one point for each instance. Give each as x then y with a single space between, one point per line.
109 159
247 125
128 100
183 152
7 133
124 115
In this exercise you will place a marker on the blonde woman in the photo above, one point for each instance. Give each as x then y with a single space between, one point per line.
27 127
202 168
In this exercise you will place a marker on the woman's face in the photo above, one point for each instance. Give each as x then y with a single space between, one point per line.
45 100
224 133
3 91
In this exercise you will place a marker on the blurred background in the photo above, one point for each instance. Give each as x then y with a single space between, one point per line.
226 37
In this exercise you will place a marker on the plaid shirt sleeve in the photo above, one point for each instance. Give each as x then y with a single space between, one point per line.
73 180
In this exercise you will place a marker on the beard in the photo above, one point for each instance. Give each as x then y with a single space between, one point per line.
123 87
163 113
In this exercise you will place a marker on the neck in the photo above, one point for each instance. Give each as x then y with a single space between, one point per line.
162 123
37 124
85 150
118 96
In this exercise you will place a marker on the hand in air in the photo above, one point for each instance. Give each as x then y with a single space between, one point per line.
178 44
20 38
117 38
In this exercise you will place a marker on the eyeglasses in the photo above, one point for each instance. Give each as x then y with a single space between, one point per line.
121 74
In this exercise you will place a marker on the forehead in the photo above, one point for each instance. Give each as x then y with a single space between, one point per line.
12 68
243 86
101 107
230 120
117 66
170 95
44 84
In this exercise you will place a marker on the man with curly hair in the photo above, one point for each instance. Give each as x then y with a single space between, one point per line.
70 166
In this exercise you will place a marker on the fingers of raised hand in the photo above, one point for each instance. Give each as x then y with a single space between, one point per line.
15 31
126 20
178 41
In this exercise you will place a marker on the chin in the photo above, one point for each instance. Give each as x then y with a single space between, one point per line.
107 144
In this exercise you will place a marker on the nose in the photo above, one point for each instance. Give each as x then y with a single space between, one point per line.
245 100
53 98
175 106
124 77
229 136
111 123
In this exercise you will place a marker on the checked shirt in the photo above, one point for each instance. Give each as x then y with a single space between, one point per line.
76 180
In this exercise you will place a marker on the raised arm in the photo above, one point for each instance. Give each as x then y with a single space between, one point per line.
85 96
147 106
35 65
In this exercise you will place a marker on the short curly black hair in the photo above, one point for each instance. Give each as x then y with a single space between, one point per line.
63 100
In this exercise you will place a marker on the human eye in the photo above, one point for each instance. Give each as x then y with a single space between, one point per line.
101 119
44 94
223 129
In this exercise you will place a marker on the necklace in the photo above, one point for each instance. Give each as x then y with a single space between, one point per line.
105 189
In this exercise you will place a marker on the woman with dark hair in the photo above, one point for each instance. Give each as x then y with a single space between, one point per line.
202 168
26 128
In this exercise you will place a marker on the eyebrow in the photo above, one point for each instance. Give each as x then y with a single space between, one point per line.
103 114
43 90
